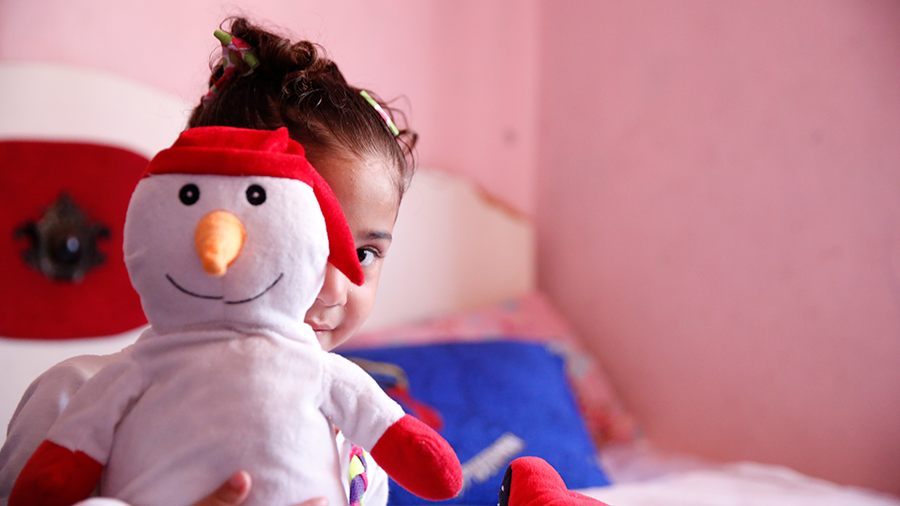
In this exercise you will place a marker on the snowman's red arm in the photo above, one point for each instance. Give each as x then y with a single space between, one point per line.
419 460
55 476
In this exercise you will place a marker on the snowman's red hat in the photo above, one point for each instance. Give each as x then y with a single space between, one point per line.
230 151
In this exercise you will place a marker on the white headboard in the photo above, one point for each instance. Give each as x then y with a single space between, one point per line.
453 248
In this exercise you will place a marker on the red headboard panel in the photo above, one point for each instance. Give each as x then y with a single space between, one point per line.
61 271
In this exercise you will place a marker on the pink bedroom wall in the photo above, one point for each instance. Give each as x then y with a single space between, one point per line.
718 212
717 193
465 69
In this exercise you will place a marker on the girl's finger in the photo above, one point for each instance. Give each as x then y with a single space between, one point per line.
232 493
316 501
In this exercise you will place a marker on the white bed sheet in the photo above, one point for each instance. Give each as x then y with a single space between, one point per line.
643 476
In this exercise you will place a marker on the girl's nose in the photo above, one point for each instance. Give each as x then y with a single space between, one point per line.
334 290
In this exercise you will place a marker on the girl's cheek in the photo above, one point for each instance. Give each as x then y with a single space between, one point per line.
364 301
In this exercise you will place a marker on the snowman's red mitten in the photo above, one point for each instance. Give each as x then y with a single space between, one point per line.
55 476
531 481
419 460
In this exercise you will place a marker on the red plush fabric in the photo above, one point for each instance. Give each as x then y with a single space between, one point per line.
418 459
100 180
531 481
55 476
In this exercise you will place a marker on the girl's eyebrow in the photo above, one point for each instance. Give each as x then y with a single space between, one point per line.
375 235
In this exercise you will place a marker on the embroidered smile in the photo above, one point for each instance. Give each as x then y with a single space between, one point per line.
220 297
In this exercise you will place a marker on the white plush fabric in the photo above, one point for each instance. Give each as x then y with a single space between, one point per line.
38 409
202 405
228 377
285 235
49 394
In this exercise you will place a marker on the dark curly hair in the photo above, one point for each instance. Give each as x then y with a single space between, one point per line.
296 86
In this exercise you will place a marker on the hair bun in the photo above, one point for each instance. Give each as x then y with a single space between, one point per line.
296 85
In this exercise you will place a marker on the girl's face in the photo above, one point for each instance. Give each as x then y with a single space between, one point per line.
368 196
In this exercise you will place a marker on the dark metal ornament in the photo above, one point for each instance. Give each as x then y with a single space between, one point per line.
63 242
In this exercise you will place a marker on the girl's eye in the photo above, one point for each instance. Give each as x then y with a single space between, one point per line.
189 194
256 194
366 256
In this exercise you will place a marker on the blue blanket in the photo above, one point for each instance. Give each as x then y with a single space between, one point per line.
498 400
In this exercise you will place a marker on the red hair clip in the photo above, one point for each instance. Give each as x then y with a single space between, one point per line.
234 50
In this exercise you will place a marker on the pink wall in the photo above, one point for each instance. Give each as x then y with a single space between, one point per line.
718 212
467 68
717 193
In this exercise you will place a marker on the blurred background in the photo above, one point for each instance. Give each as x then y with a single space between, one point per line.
714 185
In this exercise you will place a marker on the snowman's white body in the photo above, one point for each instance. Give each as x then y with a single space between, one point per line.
228 377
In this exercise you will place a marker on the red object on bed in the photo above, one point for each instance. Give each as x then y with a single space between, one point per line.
62 212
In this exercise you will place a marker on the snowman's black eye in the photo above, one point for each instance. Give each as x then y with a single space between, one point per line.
256 194
189 194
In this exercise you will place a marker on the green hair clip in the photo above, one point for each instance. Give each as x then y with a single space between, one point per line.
233 51
387 119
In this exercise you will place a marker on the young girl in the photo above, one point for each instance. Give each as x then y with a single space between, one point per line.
350 138
354 144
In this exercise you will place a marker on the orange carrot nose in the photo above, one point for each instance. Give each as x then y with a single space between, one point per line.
219 238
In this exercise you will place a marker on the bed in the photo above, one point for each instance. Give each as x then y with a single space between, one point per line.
461 336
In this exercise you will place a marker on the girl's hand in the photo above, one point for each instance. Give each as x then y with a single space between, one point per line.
234 491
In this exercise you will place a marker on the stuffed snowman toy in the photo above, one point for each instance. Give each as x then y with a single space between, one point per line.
227 237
